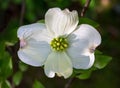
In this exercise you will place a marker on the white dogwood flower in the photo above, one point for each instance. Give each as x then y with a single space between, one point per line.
59 44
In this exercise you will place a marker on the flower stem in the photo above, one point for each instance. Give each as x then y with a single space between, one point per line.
85 8
22 12
68 83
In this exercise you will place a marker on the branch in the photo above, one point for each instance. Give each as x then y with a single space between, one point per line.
22 12
85 8
68 83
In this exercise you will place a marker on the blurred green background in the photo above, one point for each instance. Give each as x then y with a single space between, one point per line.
15 74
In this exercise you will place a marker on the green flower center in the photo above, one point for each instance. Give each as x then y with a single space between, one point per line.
59 44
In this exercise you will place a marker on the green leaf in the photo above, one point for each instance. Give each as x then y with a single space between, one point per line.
92 3
23 67
41 21
2 48
88 21
30 8
10 31
5 84
17 1
17 78
84 75
101 61
5 66
4 4
38 84
97 52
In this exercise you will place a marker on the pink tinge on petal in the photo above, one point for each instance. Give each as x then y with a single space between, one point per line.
22 43
92 49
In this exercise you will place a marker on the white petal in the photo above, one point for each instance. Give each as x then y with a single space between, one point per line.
83 42
92 59
32 30
61 22
27 30
58 63
82 61
35 53
89 33
34 44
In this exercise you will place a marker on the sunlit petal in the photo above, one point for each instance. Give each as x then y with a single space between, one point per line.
58 63
61 22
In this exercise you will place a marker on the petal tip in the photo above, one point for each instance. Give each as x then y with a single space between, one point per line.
51 74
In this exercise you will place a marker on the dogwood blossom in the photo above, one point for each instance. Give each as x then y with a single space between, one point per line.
60 44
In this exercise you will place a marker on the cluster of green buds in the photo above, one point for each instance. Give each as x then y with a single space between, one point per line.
59 44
